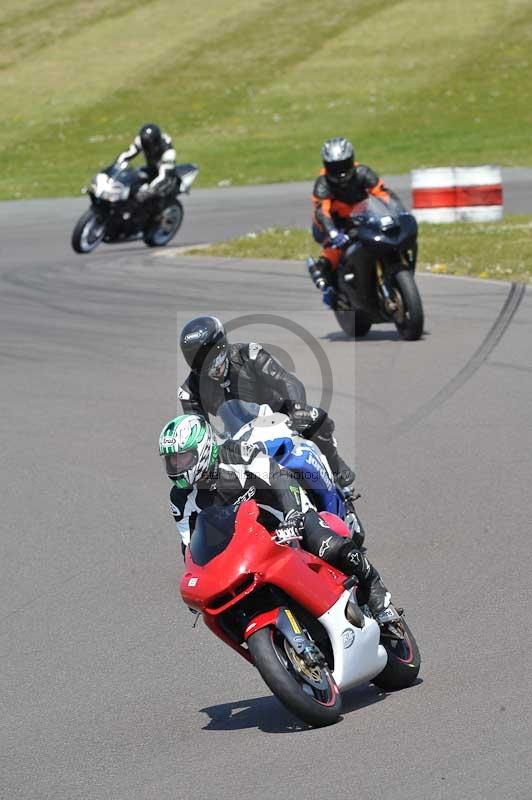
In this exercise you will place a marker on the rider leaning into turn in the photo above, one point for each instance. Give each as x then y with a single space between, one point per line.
160 161
341 184
206 474
221 371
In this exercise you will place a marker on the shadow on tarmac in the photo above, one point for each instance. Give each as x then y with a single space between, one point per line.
270 716
372 336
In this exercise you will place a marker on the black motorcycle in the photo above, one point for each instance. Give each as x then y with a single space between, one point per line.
376 275
117 215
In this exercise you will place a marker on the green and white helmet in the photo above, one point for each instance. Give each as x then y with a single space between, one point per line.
188 446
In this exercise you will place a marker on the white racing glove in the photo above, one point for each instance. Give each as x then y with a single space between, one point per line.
290 529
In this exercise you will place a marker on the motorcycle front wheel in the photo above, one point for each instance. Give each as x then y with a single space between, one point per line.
354 323
308 692
165 226
409 316
88 232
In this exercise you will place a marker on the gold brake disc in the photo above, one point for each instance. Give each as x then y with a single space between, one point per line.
312 673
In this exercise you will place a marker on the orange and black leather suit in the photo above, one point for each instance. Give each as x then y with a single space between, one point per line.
334 204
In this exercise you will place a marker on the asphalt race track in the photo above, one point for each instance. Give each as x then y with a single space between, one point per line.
107 690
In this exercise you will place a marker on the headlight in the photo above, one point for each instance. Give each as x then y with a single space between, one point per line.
115 191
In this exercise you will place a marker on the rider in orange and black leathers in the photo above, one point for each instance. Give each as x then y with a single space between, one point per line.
340 186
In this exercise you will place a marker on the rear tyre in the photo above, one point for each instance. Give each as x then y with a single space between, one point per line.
353 323
409 319
297 691
167 224
403 663
88 232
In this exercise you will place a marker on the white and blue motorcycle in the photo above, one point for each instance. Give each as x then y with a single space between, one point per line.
253 423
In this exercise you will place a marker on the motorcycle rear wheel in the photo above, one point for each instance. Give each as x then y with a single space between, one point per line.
88 232
165 228
354 323
410 323
317 708
404 661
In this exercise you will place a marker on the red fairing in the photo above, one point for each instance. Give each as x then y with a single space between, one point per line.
266 620
251 560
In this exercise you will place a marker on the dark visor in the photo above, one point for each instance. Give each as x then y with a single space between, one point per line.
178 463
215 360
339 168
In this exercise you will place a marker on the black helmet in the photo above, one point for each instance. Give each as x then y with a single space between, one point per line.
151 140
204 344
338 159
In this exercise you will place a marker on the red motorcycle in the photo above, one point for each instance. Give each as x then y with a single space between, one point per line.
292 615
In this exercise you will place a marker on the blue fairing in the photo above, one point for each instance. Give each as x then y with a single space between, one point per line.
313 474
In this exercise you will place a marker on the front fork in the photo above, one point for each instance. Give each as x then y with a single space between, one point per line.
393 305
298 638
389 304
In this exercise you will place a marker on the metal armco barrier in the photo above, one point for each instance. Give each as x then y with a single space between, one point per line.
448 194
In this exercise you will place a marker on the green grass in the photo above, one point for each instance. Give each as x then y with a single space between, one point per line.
501 250
250 88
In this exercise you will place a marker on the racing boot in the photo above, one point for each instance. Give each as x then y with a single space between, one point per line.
321 273
343 474
342 553
372 590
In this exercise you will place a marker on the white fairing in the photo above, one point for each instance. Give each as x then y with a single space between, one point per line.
106 188
271 425
358 656
188 179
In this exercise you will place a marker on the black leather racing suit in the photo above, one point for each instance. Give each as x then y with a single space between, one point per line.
160 168
254 376
333 203
243 473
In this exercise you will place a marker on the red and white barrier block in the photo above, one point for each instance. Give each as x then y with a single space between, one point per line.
449 194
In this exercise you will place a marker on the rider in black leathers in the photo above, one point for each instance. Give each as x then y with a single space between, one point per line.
221 371
206 474
160 158
340 186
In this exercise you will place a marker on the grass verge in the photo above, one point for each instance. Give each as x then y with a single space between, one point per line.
500 250
250 88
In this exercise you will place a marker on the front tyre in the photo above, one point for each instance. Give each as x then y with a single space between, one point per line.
409 316
403 663
310 693
354 323
88 232
165 226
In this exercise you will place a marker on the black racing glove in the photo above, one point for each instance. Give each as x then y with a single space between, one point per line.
237 451
303 416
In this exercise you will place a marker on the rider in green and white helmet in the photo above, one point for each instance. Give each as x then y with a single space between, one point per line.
188 446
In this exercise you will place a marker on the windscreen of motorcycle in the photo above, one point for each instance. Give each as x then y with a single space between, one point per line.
213 531
234 414
378 208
